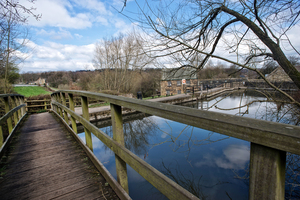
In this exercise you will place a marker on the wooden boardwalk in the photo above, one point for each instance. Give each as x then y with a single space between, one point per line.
45 162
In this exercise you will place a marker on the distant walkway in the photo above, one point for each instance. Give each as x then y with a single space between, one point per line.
47 163
78 110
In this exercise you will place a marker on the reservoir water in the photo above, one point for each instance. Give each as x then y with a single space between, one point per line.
208 164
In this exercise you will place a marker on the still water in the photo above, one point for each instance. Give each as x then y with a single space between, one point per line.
208 164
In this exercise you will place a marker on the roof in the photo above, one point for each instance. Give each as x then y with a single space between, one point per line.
279 74
179 73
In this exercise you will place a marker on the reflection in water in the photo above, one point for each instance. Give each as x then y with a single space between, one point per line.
137 134
187 180
210 165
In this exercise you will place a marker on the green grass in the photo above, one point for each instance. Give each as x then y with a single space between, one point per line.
31 91
98 105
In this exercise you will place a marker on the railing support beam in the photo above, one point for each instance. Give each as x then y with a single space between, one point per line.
267 173
72 107
60 101
14 104
9 123
64 102
118 136
85 114
1 137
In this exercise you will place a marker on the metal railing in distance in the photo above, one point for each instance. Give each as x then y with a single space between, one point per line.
16 113
269 141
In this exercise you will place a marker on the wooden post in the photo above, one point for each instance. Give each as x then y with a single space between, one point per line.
63 95
9 123
23 108
72 107
18 102
267 173
45 103
1 137
13 102
60 109
118 136
26 108
54 106
85 114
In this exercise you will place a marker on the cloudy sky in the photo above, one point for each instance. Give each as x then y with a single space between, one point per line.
64 38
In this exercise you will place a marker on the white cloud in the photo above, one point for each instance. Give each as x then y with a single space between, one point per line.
56 35
234 157
123 27
55 57
93 5
78 36
55 13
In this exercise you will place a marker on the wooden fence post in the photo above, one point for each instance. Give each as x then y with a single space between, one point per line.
85 114
23 109
18 102
64 102
72 107
1 137
9 122
13 102
45 103
60 109
118 136
267 173
55 99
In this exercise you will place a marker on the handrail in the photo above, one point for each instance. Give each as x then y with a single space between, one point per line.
10 113
17 113
268 139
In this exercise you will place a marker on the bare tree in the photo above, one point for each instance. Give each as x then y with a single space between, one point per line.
116 58
13 37
252 30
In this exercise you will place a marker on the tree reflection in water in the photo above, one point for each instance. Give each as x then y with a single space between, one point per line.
188 180
137 133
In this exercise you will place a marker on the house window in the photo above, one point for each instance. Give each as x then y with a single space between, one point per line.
168 92
178 82
188 91
188 82
178 91
169 83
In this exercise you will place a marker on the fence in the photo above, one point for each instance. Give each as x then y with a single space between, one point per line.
17 113
269 141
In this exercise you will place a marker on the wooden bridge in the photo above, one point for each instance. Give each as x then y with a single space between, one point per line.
47 160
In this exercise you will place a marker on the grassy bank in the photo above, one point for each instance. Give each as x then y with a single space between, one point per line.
31 91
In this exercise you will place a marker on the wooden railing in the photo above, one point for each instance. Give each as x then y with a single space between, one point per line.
17 113
38 105
269 141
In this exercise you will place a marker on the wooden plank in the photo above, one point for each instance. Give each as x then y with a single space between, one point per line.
109 178
45 171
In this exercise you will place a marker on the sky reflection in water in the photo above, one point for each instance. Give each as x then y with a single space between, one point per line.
210 165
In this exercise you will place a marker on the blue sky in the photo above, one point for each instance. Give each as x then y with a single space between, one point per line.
64 38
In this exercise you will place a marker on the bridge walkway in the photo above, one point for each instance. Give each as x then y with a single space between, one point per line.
45 162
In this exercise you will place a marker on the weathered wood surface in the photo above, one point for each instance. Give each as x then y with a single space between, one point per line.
45 162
